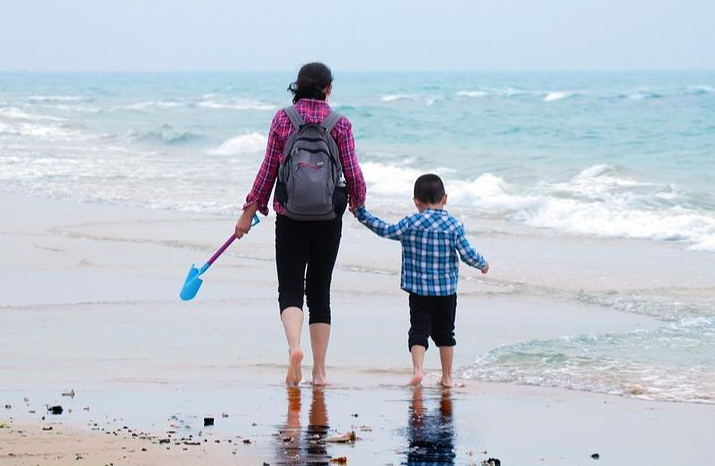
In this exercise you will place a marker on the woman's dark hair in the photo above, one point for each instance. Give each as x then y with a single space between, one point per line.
313 79
429 189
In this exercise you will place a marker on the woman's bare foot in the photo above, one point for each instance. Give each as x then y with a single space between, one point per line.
295 375
446 381
416 379
319 379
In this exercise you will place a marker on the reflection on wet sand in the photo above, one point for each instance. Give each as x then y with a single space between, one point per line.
296 446
430 433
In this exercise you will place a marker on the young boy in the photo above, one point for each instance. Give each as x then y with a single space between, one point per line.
431 240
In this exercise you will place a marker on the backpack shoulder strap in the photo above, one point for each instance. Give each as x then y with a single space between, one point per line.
294 117
330 121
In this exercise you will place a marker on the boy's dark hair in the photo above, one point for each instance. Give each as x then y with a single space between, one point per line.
429 189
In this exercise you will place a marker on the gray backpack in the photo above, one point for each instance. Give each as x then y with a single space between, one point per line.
310 178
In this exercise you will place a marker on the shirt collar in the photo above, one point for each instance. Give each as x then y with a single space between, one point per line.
435 211
313 103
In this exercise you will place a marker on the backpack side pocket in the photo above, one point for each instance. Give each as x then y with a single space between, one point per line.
340 199
281 193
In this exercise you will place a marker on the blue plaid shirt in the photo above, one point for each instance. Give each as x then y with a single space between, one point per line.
430 243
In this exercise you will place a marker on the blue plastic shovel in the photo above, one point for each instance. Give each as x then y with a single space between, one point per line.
193 282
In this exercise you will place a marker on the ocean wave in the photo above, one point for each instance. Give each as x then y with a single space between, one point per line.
161 104
599 201
396 97
237 104
242 144
15 122
164 135
16 114
42 132
473 94
643 95
389 180
669 363
58 98
702 89
666 305
558 95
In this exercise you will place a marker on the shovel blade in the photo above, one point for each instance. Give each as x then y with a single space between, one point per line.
191 285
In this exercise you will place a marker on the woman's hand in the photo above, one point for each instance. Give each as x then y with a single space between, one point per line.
243 225
354 209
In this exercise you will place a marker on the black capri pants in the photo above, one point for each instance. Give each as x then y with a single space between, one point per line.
305 258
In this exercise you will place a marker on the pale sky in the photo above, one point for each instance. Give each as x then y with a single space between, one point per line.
213 35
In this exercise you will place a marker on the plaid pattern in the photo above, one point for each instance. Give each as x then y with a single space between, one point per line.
432 243
312 111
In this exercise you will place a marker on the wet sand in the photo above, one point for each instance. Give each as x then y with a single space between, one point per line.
90 302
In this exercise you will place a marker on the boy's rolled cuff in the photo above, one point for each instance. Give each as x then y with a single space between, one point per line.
361 213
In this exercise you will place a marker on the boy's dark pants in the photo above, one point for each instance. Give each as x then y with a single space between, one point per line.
432 316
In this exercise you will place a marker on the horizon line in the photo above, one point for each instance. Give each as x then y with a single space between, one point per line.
356 70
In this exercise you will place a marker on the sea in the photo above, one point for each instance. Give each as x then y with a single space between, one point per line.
621 155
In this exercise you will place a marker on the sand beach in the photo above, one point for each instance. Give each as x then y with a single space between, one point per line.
89 308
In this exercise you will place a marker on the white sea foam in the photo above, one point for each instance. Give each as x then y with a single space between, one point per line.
490 193
396 97
702 89
165 134
671 305
14 113
389 180
669 363
161 104
237 104
472 94
15 122
644 95
597 201
58 98
560 95
513 92
242 144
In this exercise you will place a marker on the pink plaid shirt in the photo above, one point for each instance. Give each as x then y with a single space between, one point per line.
312 111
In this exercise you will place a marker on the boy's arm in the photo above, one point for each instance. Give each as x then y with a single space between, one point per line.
390 231
468 254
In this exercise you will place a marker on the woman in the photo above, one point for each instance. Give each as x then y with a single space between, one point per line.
305 249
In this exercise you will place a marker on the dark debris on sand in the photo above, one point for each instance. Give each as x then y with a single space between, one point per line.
492 462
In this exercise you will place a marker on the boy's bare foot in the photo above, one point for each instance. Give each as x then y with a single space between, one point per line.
295 375
319 379
446 382
416 379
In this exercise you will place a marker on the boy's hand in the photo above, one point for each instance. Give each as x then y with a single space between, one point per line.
486 268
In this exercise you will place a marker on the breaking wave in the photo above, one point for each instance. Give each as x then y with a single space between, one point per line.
597 201
668 363
242 144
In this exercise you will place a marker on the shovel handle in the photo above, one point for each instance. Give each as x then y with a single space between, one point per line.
220 251
225 245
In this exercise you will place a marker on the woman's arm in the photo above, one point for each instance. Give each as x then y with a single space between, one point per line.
267 174
351 168
260 194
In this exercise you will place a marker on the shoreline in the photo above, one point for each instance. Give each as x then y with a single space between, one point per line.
92 305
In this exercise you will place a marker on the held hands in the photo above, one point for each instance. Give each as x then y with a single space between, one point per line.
486 268
353 209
